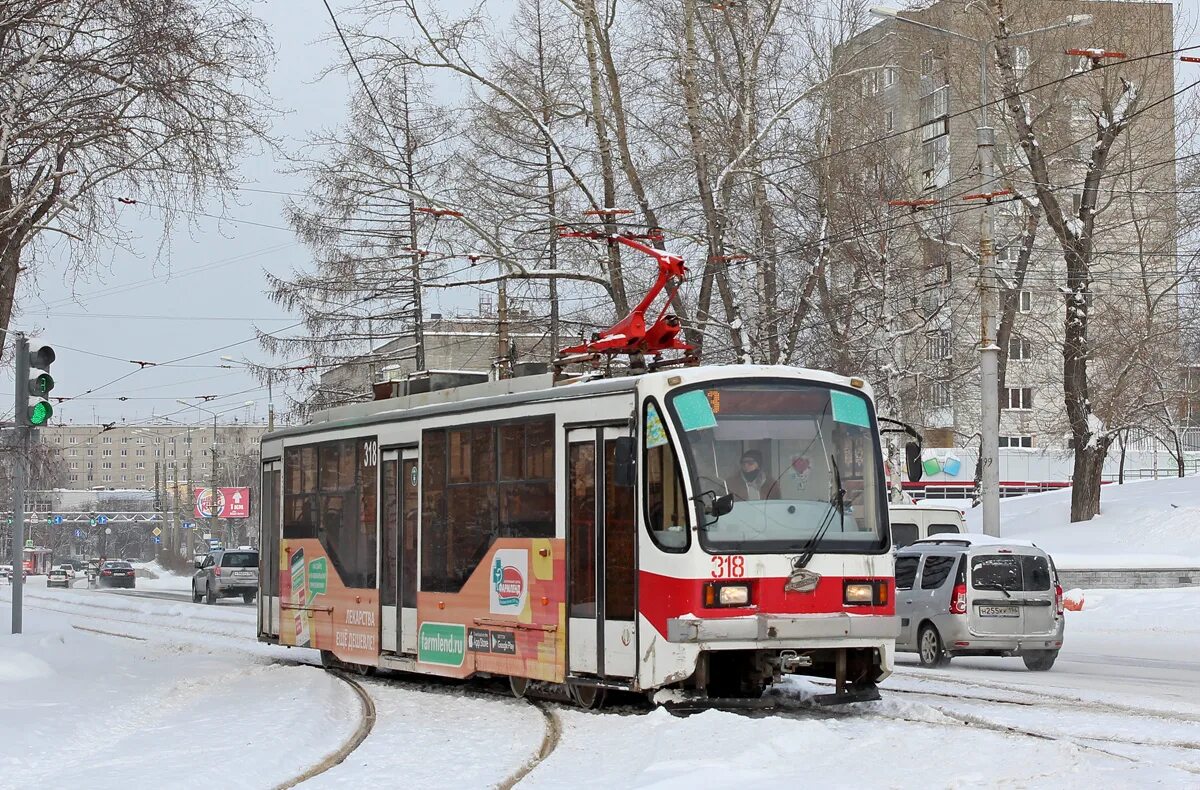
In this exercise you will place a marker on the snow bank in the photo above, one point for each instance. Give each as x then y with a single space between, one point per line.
1145 524
152 576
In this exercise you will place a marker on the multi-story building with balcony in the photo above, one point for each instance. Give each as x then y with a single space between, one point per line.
904 164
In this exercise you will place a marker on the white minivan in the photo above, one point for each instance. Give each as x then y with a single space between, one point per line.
911 523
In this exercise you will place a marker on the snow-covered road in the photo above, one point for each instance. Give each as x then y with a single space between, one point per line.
167 690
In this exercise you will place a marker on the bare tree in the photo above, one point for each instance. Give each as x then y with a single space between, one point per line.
104 102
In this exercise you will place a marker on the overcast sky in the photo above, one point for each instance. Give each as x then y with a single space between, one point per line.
208 292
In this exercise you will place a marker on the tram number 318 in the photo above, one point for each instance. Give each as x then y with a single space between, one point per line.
732 566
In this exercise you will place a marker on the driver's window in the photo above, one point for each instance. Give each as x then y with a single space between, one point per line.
208 561
666 510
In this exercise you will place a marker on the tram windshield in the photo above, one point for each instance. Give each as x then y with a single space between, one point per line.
798 461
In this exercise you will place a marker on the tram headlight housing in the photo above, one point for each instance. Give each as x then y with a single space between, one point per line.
865 593
722 594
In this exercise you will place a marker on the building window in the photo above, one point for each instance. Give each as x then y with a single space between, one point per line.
1020 398
123 478
889 120
73 453
141 464
935 163
124 440
939 393
937 345
106 440
141 478
935 113
927 63
124 465
106 465
124 451
107 453
73 465
1016 441
141 452
1019 348
91 451
890 74
108 478
75 478
74 440
141 440
1025 301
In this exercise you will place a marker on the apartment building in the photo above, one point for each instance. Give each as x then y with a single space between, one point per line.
125 456
904 164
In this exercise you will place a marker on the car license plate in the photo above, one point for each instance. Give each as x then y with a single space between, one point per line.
999 611
244 574
120 573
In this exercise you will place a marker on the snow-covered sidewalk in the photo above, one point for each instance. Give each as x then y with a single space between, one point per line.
81 700
1143 524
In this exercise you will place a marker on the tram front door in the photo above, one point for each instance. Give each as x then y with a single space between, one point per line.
601 558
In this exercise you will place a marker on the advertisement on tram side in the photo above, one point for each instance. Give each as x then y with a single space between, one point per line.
318 610
509 618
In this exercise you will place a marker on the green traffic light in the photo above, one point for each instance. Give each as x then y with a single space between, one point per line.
40 413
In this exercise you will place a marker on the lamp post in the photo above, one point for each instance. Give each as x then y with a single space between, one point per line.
989 361
212 518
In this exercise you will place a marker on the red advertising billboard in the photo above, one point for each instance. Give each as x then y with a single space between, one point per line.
231 502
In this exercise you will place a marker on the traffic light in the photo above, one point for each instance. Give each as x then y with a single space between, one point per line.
39 411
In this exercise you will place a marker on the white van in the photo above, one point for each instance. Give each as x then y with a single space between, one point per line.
911 523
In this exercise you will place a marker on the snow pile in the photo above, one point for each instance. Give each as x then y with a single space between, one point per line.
153 576
1145 524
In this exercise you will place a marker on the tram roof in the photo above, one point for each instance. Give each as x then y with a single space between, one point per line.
534 389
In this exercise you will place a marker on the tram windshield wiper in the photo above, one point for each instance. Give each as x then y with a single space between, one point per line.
839 501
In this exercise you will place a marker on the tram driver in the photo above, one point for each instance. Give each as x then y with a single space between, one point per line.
750 482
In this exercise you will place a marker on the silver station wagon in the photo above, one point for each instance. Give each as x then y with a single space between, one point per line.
971 595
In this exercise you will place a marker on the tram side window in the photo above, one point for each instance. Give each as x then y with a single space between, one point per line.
479 483
666 511
335 503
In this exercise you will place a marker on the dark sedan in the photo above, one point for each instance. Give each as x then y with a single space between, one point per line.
116 573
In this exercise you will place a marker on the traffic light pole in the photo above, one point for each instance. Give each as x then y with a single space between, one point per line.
20 459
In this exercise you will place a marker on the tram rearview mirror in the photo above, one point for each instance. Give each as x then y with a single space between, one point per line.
722 505
625 475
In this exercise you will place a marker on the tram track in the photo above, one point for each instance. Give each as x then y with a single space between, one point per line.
365 725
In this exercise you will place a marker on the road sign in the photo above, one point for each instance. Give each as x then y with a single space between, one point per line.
79 533
156 532
58 519
91 522
157 539
102 520
188 525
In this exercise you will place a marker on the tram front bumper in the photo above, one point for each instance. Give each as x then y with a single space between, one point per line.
770 628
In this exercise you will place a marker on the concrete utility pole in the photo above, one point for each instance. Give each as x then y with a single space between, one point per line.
503 363
989 352
20 459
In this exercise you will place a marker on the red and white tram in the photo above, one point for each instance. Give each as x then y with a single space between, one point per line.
706 529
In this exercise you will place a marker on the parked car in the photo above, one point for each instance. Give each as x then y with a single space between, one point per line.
116 573
972 595
69 568
6 573
911 523
226 573
57 577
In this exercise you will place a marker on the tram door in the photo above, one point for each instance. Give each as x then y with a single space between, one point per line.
398 555
269 536
601 558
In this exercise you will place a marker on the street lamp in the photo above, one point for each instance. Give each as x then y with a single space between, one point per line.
212 518
989 362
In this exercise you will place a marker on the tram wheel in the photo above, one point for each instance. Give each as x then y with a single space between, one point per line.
518 686
587 697
329 660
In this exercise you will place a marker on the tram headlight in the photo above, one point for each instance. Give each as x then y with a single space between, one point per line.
859 593
865 593
717 594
